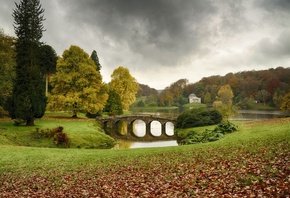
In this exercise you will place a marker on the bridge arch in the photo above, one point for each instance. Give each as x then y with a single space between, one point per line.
138 126
123 127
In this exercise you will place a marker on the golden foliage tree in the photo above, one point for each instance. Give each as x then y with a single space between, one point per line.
124 85
285 106
77 85
224 102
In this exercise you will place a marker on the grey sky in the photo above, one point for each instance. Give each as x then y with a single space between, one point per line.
162 41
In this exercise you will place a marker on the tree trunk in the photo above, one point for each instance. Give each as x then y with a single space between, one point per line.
30 122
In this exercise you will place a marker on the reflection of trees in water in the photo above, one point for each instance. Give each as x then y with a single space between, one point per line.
123 144
122 127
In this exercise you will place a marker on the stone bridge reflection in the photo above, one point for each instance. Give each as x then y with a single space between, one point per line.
125 127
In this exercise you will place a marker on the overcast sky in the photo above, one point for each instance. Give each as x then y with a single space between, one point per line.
162 41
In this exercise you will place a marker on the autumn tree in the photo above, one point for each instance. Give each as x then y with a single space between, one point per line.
207 98
95 58
165 98
285 106
7 68
224 102
28 99
77 86
174 94
263 96
124 85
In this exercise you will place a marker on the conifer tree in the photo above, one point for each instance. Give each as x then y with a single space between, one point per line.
95 58
28 99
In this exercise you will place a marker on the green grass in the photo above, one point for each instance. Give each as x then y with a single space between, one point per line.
261 106
20 158
240 159
82 132
154 108
194 105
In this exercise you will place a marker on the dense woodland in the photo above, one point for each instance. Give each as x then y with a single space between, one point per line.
249 87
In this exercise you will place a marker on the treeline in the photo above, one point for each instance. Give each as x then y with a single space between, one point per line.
249 87
264 86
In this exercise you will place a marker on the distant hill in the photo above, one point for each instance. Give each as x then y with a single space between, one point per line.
263 86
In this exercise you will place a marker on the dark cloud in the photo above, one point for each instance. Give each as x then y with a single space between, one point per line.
161 41
156 29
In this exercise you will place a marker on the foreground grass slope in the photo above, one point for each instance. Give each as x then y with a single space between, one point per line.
253 161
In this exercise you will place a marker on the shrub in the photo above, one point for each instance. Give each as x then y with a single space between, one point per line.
18 122
198 117
207 135
54 131
226 127
60 139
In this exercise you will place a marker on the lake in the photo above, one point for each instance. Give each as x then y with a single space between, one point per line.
139 129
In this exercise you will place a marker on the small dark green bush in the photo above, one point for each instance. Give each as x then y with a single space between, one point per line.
198 117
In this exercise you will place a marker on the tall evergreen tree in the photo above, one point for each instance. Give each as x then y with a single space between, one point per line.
94 57
28 99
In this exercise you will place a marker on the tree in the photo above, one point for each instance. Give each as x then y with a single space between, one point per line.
28 100
77 86
94 57
207 98
47 60
125 86
285 106
114 104
7 68
263 96
224 102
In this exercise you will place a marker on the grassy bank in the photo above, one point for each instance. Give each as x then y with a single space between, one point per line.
253 161
82 132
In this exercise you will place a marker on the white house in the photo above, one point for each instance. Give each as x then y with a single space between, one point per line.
194 99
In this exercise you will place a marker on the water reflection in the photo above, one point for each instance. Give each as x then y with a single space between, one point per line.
257 114
169 127
139 128
155 128
122 144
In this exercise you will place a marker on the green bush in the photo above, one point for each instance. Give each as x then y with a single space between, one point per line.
207 135
198 117
226 127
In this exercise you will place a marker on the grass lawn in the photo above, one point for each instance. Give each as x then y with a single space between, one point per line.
252 161
194 105
82 132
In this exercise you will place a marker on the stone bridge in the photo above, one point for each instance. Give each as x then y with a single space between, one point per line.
139 127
